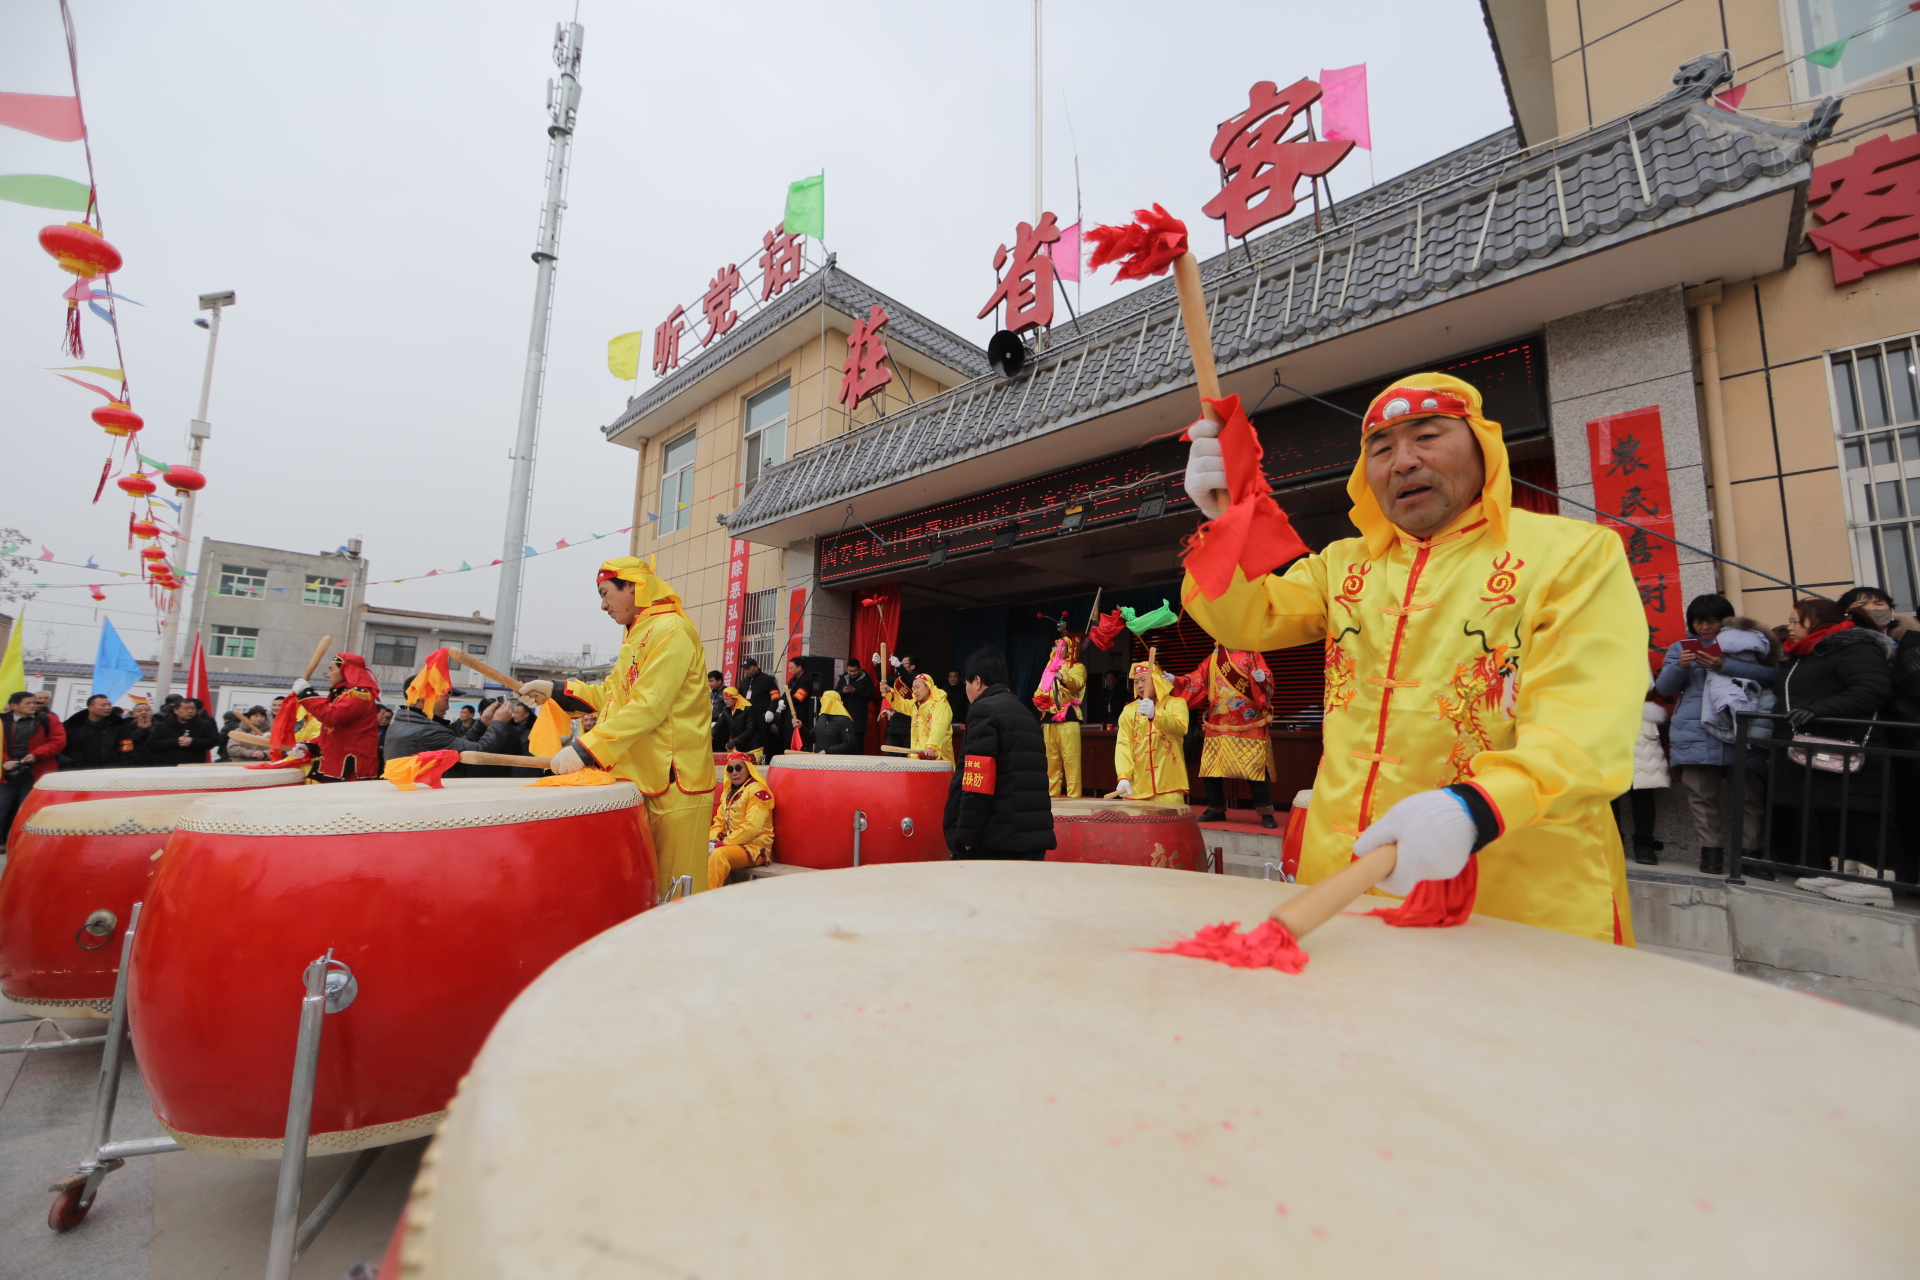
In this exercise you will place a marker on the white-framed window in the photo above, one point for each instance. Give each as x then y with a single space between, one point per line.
1883 37
676 485
242 580
330 592
1876 401
757 625
394 651
478 649
767 430
233 642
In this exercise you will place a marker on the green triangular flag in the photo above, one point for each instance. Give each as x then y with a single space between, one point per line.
1142 623
465 567
161 467
1829 55
807 207
44 191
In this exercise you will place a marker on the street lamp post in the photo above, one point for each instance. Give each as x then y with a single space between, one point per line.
200 430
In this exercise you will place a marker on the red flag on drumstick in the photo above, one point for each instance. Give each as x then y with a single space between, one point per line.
423 770
434 679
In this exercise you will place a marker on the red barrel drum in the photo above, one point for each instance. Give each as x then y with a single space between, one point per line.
70 786
70 866
1134 833
816 797
443 903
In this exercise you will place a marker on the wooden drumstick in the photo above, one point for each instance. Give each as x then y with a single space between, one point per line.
511 762
1308 910
319 652
466 659
1193 315
251 739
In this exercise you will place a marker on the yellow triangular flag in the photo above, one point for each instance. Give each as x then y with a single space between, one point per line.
13 666
551 725
623 357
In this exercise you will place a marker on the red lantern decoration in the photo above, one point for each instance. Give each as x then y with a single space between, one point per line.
184 479
171 584
80 250
117 419
143 529
136 485
152 553
97 593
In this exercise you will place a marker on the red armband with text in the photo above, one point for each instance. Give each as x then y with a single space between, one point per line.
979 775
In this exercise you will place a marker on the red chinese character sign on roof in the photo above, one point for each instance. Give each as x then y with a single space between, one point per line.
717 305
780 264
1870 203
666 342
863 372
1260 165
1027 288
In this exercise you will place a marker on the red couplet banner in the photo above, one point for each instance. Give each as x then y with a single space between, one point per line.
796 624
737 553
1629 458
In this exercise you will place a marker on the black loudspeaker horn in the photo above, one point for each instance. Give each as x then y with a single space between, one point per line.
1007 354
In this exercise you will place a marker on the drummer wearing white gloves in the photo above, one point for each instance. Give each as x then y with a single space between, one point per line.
1149 743
1484 665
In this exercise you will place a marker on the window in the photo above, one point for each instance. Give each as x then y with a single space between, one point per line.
766 430
676 485
240 580
756 627
327 591
393 651
234 642
1880 41
1876 397
477 650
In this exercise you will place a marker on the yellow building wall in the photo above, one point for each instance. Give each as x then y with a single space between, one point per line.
694 559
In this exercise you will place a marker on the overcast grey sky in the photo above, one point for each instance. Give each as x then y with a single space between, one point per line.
368 178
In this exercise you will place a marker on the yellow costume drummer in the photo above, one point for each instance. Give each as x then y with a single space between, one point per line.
1062 684
742 831
932 718
653 718
1484 672
1149 743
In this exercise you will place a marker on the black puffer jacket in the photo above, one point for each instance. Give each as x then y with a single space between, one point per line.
98 744
1848 676
834 735
1016 820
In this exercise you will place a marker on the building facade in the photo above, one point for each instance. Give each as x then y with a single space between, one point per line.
395 642
261 610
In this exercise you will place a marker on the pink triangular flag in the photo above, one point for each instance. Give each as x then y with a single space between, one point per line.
560 544
44 553
1065 253
1732 98
47 115
1343 106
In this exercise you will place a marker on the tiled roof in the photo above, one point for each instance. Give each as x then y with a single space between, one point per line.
844 293
1468 221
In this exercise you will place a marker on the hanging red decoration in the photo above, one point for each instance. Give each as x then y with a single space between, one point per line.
97 593
151 554
136 485
117 419
143 529
80 250
184 479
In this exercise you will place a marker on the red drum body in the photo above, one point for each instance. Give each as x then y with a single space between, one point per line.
817 796
70 786
443 903
1134 833
66 864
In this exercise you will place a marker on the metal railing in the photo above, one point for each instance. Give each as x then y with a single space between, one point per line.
1828 803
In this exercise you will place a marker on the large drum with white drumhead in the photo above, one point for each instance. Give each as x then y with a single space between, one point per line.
1135 833
70 786
973 1069
819 798
73 873
444 904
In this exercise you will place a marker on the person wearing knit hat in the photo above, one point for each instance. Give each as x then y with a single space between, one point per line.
1149 743
742 832
349 720
1484 664
651 715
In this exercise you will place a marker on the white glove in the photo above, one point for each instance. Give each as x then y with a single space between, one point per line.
712 845
1124 787
1435 834
1206 468
566 760
769 717
302 686
1145 708
895 662
1260 675
876 661
535 692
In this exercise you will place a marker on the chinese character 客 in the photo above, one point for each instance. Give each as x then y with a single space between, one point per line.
780 264
863 374
1626 457
718 302
1870 203
666 342
1027 288
1259 167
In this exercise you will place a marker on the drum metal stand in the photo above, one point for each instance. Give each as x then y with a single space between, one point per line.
32 1045
859 825
682 887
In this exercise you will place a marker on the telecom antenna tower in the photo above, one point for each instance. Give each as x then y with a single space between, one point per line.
563 106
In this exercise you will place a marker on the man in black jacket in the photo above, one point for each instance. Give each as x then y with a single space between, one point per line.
98 737
415 729
857 693
183 735
804 688
997 804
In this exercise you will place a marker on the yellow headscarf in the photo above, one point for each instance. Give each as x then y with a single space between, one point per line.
1496 496
753 771
938 694
648 586
830 704
1162 686
733 699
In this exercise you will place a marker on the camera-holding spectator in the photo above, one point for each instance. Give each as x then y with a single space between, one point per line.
31 739
181 735
1723 667
98 737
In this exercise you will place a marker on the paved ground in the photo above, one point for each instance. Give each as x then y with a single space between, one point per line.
171 1217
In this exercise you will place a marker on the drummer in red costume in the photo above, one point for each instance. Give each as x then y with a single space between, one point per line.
349 719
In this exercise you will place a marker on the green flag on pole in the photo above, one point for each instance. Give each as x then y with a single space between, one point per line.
13 667
44 191
807 207
1829 55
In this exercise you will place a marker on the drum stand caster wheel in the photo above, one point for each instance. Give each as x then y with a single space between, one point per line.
69 1207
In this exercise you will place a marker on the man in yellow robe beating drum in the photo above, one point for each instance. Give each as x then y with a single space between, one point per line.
1149 743
932 737
653 717
742 832
1485 666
